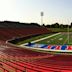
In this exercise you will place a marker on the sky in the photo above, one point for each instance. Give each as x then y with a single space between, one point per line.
29 11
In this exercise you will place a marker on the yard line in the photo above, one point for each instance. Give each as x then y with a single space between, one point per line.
41 39
65 41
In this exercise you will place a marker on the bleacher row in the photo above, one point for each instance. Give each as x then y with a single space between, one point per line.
52 47
10 33
49 64
12 59
20 64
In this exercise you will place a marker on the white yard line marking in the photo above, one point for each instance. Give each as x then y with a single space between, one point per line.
41 39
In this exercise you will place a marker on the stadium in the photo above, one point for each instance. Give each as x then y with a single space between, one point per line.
34 48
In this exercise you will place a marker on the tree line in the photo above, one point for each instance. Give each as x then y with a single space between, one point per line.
19 24
57 25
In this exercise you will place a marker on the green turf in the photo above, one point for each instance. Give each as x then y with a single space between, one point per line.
70 39
60 29
33 38
61 39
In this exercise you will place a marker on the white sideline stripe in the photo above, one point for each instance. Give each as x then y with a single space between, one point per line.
41 39
45 37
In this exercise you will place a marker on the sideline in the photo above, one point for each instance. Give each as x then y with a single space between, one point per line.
41 39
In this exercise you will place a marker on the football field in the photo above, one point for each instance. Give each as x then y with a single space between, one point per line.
60 39
56 42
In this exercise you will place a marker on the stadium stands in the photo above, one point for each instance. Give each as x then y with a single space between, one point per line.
7 33
16 59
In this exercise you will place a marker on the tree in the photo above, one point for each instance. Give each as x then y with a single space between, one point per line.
61 26
71 24
43 25
56 25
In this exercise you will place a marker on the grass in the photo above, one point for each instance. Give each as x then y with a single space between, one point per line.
61 39
51 41
33 38
59 29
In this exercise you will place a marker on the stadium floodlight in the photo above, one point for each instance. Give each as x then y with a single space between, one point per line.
42 14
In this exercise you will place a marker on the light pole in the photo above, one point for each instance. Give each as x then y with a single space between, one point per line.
42 14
